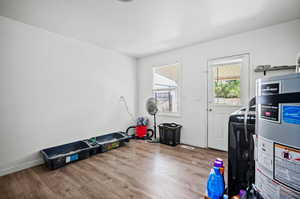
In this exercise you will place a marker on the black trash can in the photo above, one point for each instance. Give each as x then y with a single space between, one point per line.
169 133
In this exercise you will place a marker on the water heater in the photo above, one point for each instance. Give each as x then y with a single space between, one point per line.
277 172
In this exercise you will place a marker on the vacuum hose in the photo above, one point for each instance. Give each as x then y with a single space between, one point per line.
127 130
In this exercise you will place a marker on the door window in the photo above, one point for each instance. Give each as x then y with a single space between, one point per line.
226 84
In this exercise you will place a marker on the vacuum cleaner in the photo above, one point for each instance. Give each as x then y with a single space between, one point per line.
141 130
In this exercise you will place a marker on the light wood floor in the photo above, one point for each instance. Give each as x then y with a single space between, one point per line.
139 170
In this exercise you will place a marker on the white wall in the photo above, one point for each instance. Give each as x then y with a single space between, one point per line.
56 90
275 45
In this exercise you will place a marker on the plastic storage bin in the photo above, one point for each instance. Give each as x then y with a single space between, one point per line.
94 146
59 156
111 141
169 133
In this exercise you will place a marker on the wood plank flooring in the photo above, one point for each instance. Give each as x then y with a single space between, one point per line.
137 171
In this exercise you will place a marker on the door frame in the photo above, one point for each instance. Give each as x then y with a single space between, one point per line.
247 53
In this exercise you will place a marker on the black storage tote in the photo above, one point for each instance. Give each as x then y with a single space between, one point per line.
59 156
111 141
169 133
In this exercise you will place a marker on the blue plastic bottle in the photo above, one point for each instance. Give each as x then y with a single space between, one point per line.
215 184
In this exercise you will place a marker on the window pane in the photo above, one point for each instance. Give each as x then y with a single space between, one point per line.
166 100
165 88
165 77
227 84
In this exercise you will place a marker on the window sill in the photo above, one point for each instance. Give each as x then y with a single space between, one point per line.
227 105
169 115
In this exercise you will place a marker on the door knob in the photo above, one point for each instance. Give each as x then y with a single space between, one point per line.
209 109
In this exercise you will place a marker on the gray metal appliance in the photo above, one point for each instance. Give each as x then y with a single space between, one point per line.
277 153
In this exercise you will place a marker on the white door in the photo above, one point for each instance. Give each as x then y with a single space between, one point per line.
228 90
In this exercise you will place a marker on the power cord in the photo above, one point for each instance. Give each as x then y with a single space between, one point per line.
122 99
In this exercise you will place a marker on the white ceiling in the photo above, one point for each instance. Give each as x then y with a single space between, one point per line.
143 27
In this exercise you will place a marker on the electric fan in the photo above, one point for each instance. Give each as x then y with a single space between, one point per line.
152 109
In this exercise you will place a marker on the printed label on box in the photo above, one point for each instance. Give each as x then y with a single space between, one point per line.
72 158
287 166
291 114
265 155
68 158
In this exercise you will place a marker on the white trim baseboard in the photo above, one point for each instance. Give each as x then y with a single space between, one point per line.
19 167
